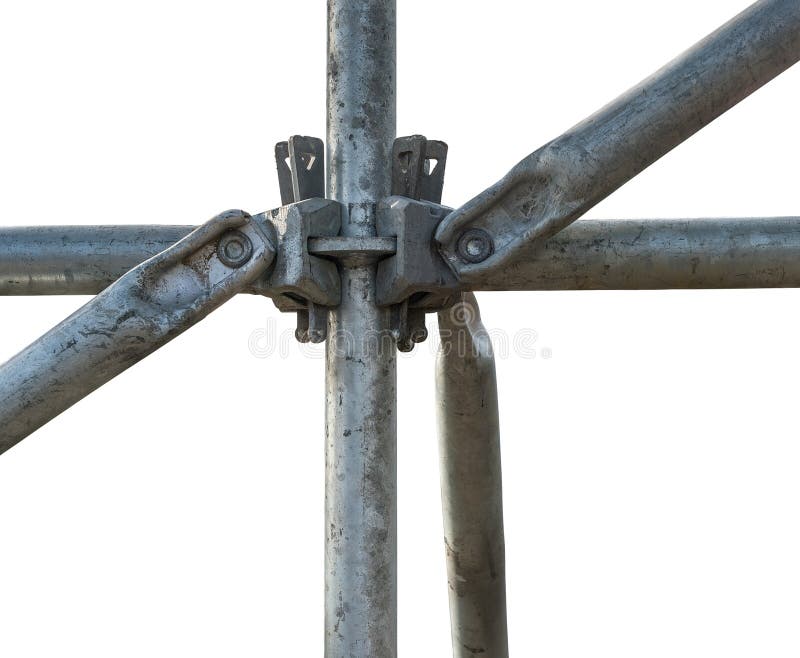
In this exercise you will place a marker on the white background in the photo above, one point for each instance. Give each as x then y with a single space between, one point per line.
650 464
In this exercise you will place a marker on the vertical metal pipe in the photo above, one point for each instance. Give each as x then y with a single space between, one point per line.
472 496
361 376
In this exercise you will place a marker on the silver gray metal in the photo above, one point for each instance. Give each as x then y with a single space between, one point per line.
149 306
418 166
366 249
562 180
658 254
83 260
361 376
416 269
76 260
471 480
297 272
301 168
587 255
598 255
497 241
50 260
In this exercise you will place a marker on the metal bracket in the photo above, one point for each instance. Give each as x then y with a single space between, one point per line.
410 279
416 273
418 166
301 168
353 249
305 278
306 284
300 280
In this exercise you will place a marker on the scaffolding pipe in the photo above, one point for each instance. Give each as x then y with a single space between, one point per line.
658 254
76 260
627 254
558 183
361 370
471 481
141 312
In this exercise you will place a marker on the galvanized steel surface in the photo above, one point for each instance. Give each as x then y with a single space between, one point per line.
558 183
149 306
657 254
519 238
471 481
76 260
361 99
627 254
361 376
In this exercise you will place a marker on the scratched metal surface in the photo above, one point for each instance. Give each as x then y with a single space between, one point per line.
558 183
658 254
361 370
145 309
471 482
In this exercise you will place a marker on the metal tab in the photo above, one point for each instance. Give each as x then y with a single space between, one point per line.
284 173
418 166
301 168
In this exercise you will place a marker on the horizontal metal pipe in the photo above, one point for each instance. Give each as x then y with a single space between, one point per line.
142 311
558 183
588 255
76 260
471 481
658 254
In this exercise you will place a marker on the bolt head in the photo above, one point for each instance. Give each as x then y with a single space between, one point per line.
316 336
475 245
419 335
234 249
405 345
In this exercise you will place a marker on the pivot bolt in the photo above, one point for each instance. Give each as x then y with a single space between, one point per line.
234 249
475 245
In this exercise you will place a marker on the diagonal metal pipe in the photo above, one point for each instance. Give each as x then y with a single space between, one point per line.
471 481
558 183
145 309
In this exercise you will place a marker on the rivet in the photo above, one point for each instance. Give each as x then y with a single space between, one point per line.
475 245
234 249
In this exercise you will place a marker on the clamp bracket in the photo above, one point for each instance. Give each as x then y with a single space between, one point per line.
299 278
411 280
416 272
301 282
